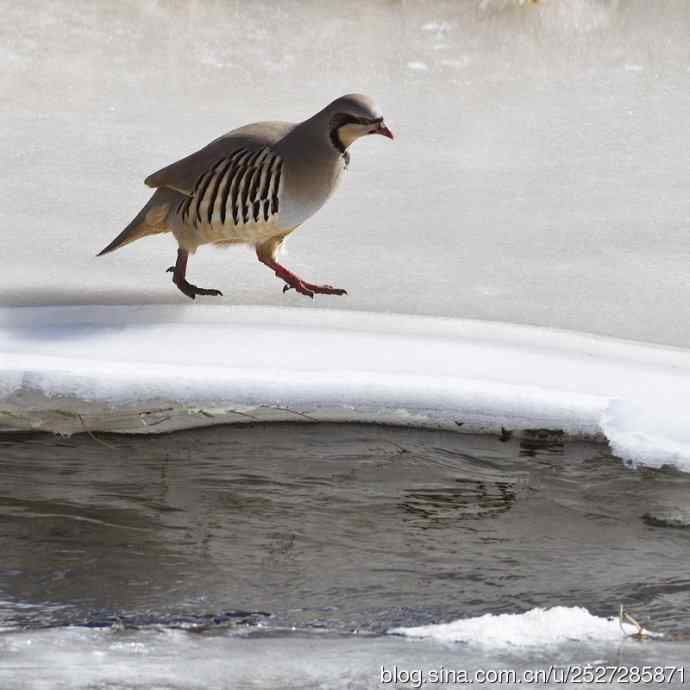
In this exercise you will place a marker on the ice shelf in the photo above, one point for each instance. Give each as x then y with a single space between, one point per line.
146 369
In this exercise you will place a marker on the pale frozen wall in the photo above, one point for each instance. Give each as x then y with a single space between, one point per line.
149 369
541 171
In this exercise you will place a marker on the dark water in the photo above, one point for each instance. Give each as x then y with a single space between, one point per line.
337 529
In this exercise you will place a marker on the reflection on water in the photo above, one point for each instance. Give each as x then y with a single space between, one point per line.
336 527
473 499
535 441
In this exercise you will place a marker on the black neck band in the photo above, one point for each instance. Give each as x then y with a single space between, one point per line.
335 140
340 120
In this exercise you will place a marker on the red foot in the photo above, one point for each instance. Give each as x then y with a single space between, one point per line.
304 288
310 289
179 271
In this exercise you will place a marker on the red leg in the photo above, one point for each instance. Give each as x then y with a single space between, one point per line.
179 271
294 281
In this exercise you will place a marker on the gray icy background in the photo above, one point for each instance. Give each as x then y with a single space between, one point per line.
540 173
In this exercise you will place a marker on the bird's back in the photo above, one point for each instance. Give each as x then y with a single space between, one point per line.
184 173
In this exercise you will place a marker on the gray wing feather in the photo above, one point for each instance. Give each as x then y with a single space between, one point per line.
184 175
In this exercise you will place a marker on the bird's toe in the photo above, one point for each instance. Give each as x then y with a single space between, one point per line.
325 289
207 291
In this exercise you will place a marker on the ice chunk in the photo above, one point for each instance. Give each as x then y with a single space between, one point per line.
535 628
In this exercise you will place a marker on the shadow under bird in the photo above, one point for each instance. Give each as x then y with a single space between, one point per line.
254 185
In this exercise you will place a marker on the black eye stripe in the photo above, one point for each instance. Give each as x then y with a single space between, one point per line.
342 119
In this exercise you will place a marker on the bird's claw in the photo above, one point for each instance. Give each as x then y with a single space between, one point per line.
192 290
327 290
170 269
309 289
202 291
299 286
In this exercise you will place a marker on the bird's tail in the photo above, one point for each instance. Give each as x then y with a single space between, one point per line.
151 220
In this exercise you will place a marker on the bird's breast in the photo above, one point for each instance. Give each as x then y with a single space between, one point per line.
307 187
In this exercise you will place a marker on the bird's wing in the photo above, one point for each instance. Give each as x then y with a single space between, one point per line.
185 175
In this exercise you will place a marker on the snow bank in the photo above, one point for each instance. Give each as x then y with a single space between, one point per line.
535 628
657 429
143 369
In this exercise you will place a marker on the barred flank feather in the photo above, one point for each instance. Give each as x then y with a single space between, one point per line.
237 190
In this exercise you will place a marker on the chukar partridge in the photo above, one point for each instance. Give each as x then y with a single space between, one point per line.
254 185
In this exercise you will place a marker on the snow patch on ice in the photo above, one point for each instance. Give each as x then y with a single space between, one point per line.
535 628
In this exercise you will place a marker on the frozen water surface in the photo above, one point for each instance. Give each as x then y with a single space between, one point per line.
539 173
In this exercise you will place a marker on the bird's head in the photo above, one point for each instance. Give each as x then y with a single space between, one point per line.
352 117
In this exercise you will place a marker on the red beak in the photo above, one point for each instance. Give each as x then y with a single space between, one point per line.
384 131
